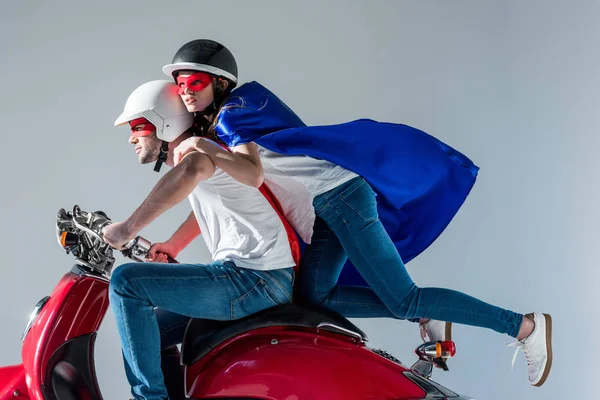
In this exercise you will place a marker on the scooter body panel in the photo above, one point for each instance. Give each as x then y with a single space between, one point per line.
278 363
76 307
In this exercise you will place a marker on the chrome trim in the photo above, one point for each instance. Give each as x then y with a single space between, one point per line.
33 316
386 355
104 269
87 230
423 368
141 249
89 271
328 326
137 249
91 252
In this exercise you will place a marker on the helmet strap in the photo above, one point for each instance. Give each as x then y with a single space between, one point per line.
164 150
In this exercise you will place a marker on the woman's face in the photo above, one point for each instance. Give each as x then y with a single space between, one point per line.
195 89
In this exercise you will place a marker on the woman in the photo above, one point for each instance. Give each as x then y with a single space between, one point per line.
381 192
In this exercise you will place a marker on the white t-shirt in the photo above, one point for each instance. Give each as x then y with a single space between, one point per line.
238 224
296 181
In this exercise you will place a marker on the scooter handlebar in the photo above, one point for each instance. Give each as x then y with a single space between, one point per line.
137 249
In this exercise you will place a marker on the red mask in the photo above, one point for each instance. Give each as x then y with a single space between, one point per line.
195 82
144 127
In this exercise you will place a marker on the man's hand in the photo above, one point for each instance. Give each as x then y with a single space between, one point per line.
159 251
118 234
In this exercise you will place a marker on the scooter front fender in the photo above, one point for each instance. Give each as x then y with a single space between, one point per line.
12 383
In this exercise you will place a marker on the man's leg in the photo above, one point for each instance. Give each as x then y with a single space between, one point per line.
218 291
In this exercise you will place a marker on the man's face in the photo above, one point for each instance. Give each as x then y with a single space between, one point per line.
195 89
143 137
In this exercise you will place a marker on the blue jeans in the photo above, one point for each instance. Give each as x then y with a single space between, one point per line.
219 291
348 225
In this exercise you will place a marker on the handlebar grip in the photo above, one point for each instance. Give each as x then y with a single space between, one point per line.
170 260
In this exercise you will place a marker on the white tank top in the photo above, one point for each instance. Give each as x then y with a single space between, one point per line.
238 224
296 181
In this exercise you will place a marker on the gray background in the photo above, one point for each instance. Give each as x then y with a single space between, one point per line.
512 84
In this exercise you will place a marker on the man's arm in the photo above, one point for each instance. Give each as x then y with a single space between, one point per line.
184 235
171 189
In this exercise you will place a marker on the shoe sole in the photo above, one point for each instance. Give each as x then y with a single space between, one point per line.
448 335
548 319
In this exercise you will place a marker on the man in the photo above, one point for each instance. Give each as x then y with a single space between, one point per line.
252 259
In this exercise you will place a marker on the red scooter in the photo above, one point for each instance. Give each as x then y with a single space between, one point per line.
287 352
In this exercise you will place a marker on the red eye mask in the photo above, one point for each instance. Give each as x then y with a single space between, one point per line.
195 82
141 127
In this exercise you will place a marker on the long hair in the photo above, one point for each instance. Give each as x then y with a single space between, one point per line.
221 91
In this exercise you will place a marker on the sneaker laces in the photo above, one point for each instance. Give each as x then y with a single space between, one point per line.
521 344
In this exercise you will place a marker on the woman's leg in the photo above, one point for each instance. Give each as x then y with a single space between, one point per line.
322 263
350 211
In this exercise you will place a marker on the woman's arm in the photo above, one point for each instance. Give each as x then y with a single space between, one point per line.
242 163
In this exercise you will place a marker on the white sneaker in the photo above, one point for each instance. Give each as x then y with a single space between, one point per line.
537 348
434 330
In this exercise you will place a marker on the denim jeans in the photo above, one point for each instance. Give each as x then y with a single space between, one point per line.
219 291
348 225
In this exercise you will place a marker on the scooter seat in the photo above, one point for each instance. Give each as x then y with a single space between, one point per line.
203 335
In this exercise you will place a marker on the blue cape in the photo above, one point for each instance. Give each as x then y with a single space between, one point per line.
420 182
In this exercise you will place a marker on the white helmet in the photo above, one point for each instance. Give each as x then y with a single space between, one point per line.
159 103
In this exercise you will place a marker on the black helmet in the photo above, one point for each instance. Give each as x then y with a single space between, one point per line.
207 56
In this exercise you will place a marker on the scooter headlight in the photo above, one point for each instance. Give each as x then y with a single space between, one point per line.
67 240
34 313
